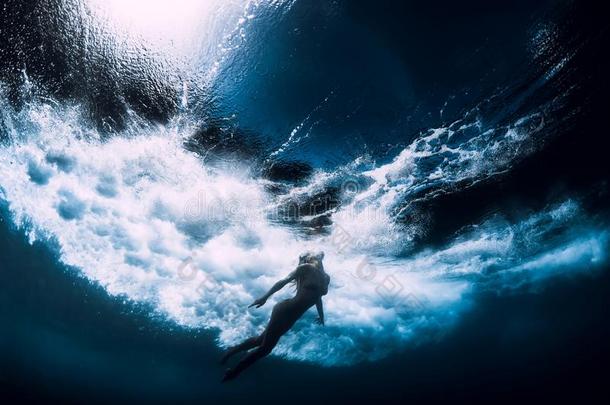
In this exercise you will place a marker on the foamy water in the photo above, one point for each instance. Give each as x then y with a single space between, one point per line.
144 218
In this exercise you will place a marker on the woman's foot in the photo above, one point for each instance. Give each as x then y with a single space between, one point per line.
229 375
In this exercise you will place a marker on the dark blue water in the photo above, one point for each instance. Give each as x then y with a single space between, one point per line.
316 96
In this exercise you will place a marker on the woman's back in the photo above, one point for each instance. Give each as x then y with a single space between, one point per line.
311 277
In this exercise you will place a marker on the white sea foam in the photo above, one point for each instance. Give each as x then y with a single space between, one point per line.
143 217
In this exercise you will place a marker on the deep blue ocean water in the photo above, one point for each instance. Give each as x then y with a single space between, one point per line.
459 146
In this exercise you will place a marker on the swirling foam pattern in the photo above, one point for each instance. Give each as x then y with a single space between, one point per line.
144 218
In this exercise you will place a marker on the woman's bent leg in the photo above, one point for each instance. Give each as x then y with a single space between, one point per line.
269 342
283 316
242 347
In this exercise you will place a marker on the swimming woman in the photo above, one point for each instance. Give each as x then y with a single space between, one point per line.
311 284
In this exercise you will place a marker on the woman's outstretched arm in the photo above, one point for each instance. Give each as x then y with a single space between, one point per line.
276 287
320 309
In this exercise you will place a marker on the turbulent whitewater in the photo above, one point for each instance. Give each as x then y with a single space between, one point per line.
152 222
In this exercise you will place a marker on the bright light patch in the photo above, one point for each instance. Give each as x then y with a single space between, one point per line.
167 22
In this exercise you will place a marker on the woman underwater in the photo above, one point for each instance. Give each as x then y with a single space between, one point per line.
311 284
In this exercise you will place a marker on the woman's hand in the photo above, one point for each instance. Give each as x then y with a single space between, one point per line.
320 321
258 303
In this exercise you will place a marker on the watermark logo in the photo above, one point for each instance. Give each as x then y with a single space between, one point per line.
388 287
189 272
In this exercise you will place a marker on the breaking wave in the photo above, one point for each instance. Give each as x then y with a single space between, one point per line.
149 220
